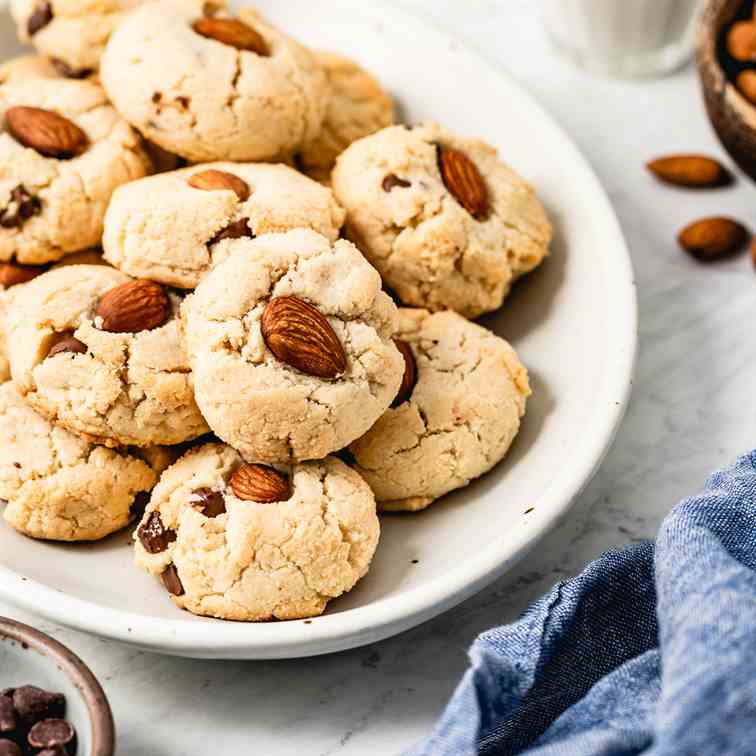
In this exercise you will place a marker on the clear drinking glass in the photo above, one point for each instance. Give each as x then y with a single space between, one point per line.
625 38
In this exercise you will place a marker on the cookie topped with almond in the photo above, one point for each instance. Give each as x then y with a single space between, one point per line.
98 353
250 541
63 151
290 343
208 85
446 223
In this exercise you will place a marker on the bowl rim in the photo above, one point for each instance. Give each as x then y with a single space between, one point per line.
101 722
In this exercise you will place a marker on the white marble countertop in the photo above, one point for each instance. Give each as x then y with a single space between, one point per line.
692 393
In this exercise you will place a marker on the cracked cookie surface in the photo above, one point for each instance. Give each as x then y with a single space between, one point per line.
262 406
459 421
357 106
163 228
429 249
205 100
61 487
73 32
242 559
120 388
50 207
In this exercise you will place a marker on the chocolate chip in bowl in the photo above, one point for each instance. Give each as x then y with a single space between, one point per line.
726 58
50 702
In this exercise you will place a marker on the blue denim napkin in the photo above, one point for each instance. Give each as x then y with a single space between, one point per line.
651 650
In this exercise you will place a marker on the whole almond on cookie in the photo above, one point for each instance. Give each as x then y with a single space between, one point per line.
260 483
47 132
692 171
463 180
300 336
133 307
213 180
712 238
232 32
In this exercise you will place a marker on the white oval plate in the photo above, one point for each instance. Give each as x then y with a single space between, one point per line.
573 323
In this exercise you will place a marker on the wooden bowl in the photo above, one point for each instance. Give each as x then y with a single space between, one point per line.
731 115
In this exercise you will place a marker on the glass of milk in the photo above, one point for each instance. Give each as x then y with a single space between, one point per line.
625 38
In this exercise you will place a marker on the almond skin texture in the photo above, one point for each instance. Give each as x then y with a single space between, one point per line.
260 483
48 133
133 307
712 238
12 274
232 32
409 379
212 180
741 40
463 180
692 171
300 336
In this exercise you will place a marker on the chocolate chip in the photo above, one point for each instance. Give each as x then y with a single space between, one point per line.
40 18
9 748
8 720
141 500
183 101
67 344
20 208
51 733
70 73
34 704
237 230
392 181
210 503
154 536
172 581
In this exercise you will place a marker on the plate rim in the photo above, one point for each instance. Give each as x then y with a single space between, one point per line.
389 615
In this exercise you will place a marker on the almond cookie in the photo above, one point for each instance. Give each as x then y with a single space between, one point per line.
73 33
357 106
455 417
62 153
249 542
60 487
447 224
213 87
175 227
98 353
290 343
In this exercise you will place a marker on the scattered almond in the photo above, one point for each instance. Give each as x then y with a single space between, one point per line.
12 273
133 307
213 180
712 238
232 32
694 171
463 180
300 336
260 483
741 40
48 133
410 373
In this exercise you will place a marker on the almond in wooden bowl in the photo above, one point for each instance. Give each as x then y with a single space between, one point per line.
720 65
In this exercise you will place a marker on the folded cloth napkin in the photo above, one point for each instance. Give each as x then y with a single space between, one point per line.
651 650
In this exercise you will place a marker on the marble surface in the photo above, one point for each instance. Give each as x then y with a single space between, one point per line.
692 393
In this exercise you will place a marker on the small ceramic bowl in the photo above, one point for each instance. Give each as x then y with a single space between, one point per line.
732 116
30 657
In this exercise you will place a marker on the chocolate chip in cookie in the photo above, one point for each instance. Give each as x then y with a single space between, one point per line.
21 206
154 536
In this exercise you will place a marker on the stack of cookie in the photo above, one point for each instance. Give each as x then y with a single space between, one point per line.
185 338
